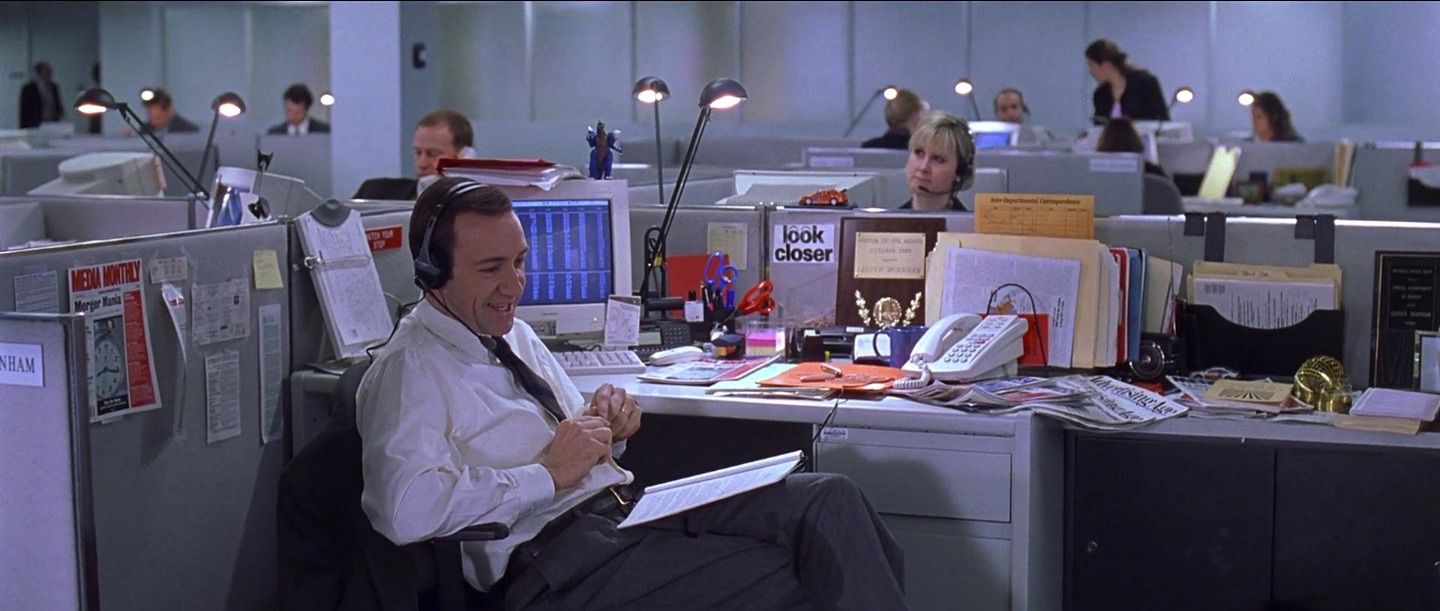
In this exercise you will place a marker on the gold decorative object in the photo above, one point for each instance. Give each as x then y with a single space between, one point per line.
888 311
1321 381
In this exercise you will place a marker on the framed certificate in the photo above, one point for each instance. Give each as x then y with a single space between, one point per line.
1427 361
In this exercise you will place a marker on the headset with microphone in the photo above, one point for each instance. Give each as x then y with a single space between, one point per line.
432 267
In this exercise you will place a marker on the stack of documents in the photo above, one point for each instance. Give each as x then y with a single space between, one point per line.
1093 402
510 172
1235 400
1265 296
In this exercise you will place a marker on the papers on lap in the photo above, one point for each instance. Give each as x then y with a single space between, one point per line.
671 498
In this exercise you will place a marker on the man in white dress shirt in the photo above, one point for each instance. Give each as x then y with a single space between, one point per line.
457 432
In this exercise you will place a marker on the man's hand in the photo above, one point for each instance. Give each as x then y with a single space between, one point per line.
618 408
580 443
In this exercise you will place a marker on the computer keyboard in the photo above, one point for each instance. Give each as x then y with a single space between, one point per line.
589 362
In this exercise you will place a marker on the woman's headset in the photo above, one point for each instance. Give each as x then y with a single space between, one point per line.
964 151
432 267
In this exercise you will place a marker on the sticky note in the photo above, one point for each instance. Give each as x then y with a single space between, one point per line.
267 270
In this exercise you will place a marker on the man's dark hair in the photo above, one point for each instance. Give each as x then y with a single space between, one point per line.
299 94
161 98
487 201
461 134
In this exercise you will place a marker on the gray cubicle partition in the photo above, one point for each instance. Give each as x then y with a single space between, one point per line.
21 171
707 184
1185 157
47 524
1113 178
181 523
304 157
757 151
853 157
1267 156
805 291
690 234
1380 174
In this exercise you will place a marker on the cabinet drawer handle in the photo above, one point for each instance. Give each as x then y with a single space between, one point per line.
1092 546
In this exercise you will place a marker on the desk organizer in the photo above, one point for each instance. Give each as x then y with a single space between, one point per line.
1210 340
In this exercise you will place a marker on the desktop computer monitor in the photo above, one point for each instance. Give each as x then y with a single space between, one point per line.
108 173
994 134
579 237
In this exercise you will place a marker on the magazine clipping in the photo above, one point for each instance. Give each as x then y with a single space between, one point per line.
122 367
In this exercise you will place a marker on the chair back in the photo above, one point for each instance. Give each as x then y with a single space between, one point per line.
1161 196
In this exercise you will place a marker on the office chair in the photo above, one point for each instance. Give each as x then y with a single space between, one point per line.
399 189
1160 196
330 555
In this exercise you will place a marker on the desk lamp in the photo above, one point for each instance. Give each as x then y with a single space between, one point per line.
95 100
888 91
651 90
1246 98
228 105
967 90
327 99
1183 95
719 94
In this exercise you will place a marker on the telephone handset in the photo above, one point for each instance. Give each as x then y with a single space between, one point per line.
966 347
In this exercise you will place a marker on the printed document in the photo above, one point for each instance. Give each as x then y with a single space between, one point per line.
972 275
670 498
346 282
1264 304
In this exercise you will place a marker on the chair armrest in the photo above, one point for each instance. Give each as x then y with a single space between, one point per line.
492 531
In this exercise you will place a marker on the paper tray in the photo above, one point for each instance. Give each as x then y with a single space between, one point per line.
1210 340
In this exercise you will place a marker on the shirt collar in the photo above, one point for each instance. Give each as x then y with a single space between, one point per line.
451 331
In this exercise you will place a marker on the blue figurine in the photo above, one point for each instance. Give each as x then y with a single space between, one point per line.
601 143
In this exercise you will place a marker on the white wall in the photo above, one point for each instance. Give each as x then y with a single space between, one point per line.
289 45
1390 67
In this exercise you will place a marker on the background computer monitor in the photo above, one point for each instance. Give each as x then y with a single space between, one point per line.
107 173
994 134
579 237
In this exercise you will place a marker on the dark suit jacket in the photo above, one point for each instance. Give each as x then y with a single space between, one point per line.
402 189
177 125
1142 101
316 127
32 110
891 140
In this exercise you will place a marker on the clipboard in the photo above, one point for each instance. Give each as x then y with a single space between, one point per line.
346 282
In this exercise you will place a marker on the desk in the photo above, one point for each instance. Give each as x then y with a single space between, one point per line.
1195 204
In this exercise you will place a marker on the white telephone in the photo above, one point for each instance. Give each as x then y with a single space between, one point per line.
966 347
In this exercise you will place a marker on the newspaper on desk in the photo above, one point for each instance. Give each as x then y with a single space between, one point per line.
1191 392
1094 402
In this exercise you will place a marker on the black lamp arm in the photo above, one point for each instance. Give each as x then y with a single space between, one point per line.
163 152
859 115
209 140
656 252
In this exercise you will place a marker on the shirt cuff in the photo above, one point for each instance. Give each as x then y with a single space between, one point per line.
617 449
534 484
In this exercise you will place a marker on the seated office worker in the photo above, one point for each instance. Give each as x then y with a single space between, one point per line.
1010 106
298 121
941 163
439 134
162 118
1124 90
467 418
1271 120
1119 136
902 114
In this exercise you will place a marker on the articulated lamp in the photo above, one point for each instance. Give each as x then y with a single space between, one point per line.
889 92
967 90
1183 95
651 90
1246 98
719 94
228 105
95 100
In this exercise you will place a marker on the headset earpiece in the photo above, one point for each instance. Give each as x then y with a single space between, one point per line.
964 163
432 267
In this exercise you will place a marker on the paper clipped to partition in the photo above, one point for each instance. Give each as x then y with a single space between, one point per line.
671 498
1035 214
972 276
1220 172
346 283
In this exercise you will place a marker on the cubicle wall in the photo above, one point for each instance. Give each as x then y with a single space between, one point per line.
760 152
304 157
690 234
47 524
1113 178
88 217
1381 173
805 291
181 523
1267 156
707 184
1185 157
21 171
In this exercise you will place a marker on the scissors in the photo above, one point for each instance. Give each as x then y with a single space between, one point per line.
759 299
718 274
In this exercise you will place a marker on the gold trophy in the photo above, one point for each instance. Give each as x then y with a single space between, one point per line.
887 311
1321 381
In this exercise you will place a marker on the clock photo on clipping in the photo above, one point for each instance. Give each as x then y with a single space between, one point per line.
112 389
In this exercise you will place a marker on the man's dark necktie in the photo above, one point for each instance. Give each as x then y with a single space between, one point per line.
531 381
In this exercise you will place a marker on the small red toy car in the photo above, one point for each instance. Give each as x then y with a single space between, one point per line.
826 197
